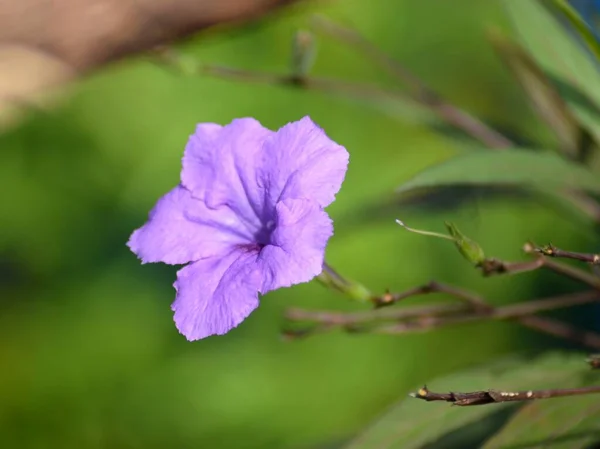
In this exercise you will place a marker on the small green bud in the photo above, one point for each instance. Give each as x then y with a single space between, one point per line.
331 279
467 247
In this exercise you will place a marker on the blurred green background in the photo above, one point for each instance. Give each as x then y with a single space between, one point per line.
89 354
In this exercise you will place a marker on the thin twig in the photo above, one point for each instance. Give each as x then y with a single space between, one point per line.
474 308
466 296
564 269
419 91
499 313
496 396
562 330
451 114
336 318
553 251
493 266
363 91
409 320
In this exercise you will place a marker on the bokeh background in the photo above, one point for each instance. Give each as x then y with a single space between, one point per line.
89 355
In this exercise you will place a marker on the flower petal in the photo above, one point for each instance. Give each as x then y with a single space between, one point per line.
297 248
302 162
181 229
219 166
215 295
251 168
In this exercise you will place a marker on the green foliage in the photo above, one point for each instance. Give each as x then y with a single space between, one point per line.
414 424
582 28
555 51
567 423
544 96
94 359
518 167
563 85
561 57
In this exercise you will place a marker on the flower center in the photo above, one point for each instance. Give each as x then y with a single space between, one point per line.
263 235
261 238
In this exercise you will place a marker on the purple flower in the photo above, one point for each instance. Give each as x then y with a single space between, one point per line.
247 218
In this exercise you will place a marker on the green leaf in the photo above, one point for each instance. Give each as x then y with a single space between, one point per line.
413 423
517 167
543 95
565 423
579 26
561 57
553 49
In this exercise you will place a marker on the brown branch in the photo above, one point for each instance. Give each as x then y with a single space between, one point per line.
553 251
458 311
466 296
495 396
491 266
562 330
426 318
514 312
494 266
473 308
388 314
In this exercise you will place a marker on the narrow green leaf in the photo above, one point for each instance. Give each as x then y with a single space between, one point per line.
563 60
565 423
413 423
543 95
517 167
550 45
579 26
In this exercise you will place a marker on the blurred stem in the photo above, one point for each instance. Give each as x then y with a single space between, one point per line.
516 311
362 91
426 318
419 91
445 110
473 308
474 313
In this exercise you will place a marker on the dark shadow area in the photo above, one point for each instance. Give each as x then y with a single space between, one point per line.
474 435
568 438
